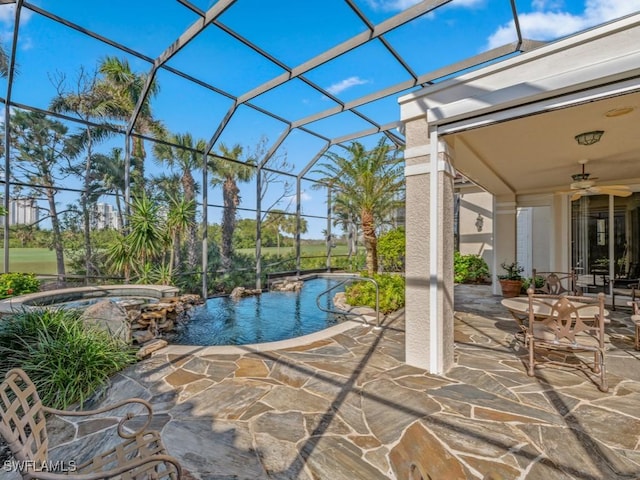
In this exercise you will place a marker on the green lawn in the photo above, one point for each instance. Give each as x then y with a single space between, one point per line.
30 260
43 260
307 250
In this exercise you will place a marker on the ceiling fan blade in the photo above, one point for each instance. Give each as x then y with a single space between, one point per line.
576 195
617 192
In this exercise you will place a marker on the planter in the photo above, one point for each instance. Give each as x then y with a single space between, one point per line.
511 288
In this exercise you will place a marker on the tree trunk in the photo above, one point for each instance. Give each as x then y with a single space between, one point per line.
370 241
230 196
88 266
57 236
188 186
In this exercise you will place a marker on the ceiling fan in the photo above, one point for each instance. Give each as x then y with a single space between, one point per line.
584 184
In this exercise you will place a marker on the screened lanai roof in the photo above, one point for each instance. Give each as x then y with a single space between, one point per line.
296 78
306 75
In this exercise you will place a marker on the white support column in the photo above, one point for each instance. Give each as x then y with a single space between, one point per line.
504 224
429 251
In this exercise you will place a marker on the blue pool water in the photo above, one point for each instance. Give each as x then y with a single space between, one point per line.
268 317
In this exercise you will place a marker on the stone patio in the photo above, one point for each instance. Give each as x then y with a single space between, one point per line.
347 407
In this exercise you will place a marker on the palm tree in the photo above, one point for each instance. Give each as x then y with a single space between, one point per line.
280 221
187 157
368 181
180 218
144 245
110 173
4 62
91 102
166 189
345 217
126 87
228 174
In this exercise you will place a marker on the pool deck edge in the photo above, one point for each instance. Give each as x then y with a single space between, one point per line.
267 346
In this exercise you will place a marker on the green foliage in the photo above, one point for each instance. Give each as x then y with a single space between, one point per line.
391 289
526 283
66 360
469 268
391 250
513 269
12 284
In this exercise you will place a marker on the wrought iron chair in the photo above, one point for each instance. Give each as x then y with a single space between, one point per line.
555 283
626 283
140 455
570 325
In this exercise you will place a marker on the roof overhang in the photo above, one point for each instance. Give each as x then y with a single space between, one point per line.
510 121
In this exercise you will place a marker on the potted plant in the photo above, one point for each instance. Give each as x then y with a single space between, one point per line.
511 282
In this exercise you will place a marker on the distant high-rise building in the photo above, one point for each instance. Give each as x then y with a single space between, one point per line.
104 216
22 211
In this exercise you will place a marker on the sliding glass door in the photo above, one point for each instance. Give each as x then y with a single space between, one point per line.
605 239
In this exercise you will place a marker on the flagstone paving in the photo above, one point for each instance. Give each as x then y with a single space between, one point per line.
347 407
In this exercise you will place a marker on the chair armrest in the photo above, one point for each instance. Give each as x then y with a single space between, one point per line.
128 416
119 470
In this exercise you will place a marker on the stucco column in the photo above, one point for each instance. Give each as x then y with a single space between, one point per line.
504 232
429 249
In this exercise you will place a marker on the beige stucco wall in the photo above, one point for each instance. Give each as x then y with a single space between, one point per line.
474 239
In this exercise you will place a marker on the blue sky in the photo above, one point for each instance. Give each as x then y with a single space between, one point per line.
294 32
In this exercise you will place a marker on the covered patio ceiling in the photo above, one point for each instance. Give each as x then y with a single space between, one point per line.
539 153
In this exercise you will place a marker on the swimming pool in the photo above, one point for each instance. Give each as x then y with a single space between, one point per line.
269 317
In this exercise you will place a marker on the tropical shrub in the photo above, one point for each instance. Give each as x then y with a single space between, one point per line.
469 268
66 359
391 289
391 250
12 284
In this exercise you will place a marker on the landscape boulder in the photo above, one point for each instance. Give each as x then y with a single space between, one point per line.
109 316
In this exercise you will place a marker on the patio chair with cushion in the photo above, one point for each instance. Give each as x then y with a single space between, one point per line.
555 283
140 454
560 327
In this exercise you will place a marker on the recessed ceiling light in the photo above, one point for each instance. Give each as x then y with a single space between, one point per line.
617 112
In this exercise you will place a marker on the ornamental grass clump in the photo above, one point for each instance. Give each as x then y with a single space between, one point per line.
67 360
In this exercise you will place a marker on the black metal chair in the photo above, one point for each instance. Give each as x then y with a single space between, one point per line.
626 284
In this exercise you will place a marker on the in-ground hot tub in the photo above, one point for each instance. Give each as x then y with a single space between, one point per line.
75 294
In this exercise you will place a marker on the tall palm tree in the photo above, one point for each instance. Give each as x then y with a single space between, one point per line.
187 157
91 102
126 87
228 174
368 181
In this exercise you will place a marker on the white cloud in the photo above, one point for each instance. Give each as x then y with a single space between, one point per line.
547 4
304 197
8 14
400 5
342 85
549 25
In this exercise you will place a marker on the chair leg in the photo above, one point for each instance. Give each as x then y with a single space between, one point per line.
604 386
637 335
597 361
531 368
